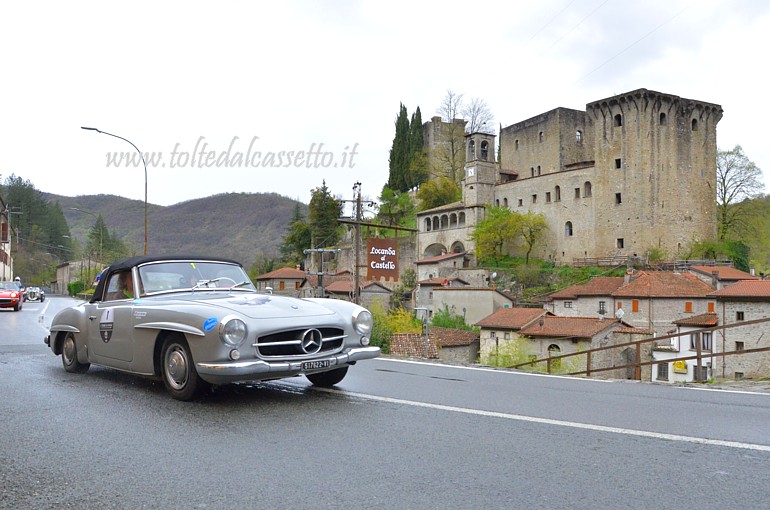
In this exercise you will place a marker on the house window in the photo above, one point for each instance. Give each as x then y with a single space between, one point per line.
618 120
620 305
711 307
568 229
281 285
579 136
619 242
738 375
688 307
568 304
739 316
618 199
547 197
507 335
602 307
705 341
618 163
521 202
557 194
296 285
534 199
662 372
704 373
739 346
635 305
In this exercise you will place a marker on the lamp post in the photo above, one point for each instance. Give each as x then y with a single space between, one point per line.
145 176
101 230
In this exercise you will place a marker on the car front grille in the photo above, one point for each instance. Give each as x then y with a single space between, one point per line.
300 343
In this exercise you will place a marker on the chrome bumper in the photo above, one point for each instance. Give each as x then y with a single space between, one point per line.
232 371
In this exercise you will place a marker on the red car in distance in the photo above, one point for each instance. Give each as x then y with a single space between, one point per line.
11 296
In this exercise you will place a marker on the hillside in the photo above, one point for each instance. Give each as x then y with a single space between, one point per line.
233 225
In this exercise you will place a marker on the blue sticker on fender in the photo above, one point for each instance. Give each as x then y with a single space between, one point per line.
209 324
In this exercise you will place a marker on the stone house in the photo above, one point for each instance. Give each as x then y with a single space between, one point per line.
311 287
452 345
68 272
720 276
424 292
740 302
593 298
684 345
501 328
6 261
372 293
630 172
286 281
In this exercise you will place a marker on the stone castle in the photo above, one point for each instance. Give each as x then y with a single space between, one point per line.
632 172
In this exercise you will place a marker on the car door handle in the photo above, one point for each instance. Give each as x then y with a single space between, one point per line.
91 317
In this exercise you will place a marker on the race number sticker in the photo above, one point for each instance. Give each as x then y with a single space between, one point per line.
105 324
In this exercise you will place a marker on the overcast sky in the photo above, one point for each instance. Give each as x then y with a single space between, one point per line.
262 78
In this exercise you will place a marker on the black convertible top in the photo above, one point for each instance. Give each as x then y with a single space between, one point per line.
131 262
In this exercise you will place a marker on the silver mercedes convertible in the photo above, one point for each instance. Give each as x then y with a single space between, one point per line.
199 321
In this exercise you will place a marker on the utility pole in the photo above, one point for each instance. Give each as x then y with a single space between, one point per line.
359 218
320 274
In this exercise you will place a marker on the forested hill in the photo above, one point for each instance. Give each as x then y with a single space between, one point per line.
240 226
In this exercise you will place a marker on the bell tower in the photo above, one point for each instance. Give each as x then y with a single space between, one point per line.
480 170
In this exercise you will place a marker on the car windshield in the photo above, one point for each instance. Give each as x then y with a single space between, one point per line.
192 276
9 286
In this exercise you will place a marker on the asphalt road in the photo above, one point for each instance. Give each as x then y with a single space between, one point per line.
394 434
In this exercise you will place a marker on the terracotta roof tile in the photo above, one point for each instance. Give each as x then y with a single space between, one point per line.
724 273
441 281
342 286
704 320
568 327
664 284
284 272
511 318
445 337
446 207
596 286
439 258
745 289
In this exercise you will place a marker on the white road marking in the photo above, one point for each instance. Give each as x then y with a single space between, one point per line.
547 421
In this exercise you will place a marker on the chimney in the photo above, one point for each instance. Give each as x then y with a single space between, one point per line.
714 279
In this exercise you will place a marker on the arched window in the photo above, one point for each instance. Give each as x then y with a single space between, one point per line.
427 224
515 145
538 169
579 136
532 171
568 229
497 202
694 124
444 221
461 219
554 351
458 247
471 150
453 220
618 120
587 189
435 223
557 194
505 202
484 150
541 137
663 119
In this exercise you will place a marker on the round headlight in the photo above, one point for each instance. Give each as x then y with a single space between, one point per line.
233 332
363 322
13 294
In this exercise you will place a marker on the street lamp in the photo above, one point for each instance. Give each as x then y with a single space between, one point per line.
101 230
145 176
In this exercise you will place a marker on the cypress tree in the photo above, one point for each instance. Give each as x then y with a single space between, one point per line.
399 152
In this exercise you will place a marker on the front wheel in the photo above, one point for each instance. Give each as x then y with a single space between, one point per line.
178 370
69 356
327 379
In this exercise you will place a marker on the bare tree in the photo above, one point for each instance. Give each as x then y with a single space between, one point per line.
479 116
448 153
738 179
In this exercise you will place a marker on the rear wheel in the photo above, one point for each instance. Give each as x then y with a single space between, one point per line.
327 379
178 369
69 356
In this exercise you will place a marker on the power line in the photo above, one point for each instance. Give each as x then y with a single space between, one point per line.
573 28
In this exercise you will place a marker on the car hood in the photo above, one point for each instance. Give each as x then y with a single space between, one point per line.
258 306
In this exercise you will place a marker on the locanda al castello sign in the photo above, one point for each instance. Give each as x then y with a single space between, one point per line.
382 259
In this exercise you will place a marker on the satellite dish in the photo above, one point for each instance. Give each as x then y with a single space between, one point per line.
494 275
619 313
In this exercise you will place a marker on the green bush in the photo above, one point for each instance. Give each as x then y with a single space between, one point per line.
446 318
386 324
75 287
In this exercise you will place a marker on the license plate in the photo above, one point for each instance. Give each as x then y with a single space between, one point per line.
314 365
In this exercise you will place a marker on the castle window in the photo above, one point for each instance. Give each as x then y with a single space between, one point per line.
471 150
538 169
663 119
694 124
541 137
579 136
587 189
618 163
577 192
461 219
618 199
521 202
444 221
453 220
568 229
497 202
619 243
547 197
618 120
505 202
534 199
484 150
557 194
515 145
435 223
427 224
532 171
